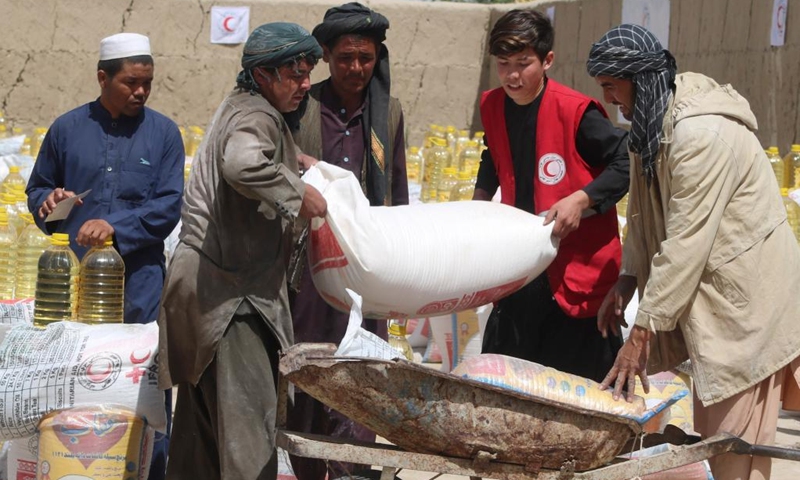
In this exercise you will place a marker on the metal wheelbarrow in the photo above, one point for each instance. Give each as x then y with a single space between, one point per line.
442 423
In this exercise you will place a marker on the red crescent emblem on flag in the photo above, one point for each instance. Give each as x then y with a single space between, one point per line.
226 21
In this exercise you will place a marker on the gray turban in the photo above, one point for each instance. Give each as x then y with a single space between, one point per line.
275 44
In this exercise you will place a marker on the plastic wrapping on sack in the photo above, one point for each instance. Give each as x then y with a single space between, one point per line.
101 442
358 342
421 260
71 364
547 383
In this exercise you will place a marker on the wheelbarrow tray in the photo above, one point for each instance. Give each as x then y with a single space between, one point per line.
427 411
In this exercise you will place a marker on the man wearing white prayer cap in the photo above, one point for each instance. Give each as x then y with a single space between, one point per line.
132 158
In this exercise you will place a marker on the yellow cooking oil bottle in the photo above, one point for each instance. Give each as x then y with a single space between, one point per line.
446 184
31 243
397 339
56 296
414 165
101 297
464 188
792 213
13 178
776 162
437 158
8 202
8 257
470 156
791 164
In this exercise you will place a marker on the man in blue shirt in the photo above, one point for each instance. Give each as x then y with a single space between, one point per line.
131 157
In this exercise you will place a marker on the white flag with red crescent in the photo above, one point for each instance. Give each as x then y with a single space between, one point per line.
230 25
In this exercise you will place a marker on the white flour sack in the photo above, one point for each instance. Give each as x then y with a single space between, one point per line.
420 260
70 364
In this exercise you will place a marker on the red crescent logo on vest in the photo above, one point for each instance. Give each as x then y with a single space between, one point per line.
551 168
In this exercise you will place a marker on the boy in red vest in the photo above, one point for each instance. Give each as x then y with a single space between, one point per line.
553 152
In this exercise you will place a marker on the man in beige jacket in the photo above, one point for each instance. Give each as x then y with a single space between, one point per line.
709 248
225 309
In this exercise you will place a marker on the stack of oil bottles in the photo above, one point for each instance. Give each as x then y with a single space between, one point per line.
787 174
90 291
32 141
445 168
34 265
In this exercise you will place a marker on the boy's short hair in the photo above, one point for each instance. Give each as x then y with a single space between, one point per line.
519 29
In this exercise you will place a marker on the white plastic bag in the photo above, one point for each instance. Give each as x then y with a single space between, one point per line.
358 342
421 260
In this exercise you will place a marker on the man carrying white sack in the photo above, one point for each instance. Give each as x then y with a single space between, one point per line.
708 248
553 152
225 310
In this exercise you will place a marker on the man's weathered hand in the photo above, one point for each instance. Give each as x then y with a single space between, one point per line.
314 204
94 232
631 362
567 213
56 196
306 161
610 315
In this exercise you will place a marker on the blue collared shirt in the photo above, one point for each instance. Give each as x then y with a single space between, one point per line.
134 167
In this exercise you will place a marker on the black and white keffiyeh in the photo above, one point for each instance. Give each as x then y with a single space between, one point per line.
632 52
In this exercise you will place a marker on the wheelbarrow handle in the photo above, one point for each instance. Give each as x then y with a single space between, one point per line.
766 451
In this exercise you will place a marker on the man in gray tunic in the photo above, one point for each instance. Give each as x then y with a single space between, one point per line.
225 309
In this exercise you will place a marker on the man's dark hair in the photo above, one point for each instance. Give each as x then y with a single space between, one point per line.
519 29
331 44
113 66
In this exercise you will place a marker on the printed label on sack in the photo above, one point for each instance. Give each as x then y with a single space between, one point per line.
325 251
70 364
471 300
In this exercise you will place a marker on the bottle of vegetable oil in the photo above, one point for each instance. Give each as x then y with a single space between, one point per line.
8 257
102 285
31 243
776 162
56 283
397 339
13 178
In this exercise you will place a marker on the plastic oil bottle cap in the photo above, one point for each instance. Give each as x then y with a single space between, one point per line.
464 175
3 218
772 150
27 218
109 241
60 239
796 148
414 150
396 330
13 169
784 191
8 198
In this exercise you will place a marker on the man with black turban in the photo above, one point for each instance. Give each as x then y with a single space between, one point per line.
225 309
350 121
716 265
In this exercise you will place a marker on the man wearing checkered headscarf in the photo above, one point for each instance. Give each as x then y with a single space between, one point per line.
709 250
632 52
